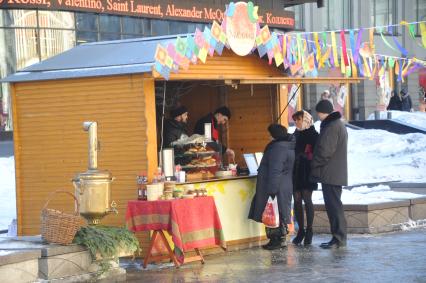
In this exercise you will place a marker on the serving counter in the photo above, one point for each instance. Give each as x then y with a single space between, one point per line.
233 197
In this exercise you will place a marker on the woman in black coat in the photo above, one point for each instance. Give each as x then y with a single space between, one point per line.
274 179
306 137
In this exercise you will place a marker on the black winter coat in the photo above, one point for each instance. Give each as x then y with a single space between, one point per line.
395 103
302 164
173 130
274 177
330 162
406 103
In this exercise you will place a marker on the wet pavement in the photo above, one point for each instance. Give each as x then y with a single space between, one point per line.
391 257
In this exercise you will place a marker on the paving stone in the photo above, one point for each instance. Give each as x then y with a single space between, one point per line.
389 257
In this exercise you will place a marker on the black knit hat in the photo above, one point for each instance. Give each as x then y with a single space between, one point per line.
224 111
178 111
277 131
324 106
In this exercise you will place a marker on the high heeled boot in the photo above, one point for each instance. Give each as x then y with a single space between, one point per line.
299 237
308 236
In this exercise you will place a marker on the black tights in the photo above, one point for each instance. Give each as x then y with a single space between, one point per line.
306 196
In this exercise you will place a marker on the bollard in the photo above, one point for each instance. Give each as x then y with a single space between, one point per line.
376 115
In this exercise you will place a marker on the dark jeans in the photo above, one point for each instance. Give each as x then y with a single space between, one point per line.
335 213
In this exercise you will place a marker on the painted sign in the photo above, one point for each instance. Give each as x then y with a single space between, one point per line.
188 10
240 28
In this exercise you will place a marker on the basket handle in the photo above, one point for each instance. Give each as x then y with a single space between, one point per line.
51 195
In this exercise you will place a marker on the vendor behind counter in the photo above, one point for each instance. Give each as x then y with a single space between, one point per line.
221 116
176 126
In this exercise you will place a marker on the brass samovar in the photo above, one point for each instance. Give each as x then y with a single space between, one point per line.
93 187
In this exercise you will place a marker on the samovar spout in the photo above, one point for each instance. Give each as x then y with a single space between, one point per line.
112 208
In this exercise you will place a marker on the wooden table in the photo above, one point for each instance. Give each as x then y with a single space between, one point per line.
192 223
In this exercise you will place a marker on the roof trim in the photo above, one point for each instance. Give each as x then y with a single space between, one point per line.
79 73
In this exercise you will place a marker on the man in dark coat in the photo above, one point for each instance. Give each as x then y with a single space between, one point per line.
395 102
329 166
406 103
221 116
176 126
274 178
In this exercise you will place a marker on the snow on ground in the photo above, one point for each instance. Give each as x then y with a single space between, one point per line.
373 156
365 195
7 191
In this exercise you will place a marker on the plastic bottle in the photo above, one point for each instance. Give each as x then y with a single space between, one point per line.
142 181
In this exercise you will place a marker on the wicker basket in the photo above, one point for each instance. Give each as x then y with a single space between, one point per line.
59 227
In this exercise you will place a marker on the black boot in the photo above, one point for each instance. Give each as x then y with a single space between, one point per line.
299 237
274 244
308 236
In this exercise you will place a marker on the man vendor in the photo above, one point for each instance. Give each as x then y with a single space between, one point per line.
176 126
220 117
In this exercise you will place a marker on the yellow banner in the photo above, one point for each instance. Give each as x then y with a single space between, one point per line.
334 47
317 46
423 33
372 47
284 46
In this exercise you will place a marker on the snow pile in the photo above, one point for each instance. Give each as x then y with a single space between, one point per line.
7 191
365 195
378 156
411 224
417 119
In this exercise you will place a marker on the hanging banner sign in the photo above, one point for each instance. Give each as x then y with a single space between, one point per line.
241 27
187 10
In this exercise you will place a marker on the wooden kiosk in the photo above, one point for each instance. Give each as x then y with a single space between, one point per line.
114 84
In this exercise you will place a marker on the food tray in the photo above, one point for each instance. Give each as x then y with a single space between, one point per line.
198 166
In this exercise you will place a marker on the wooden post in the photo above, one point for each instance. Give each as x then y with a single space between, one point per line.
300 99
282 92
151 129
17 155
348 103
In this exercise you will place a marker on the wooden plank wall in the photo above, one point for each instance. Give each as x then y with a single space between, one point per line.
253 109
52 147
203 98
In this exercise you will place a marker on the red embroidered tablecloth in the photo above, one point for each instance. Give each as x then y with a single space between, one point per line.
192 223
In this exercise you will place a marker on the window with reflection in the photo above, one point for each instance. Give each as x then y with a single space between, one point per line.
85 36
60 20
178 27
109 36
109 24
159 27
132 25
55 41
298 16
86 22
382 12
339 14
19 18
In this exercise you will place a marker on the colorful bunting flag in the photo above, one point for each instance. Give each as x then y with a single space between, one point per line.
343 40
334 47
423 33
